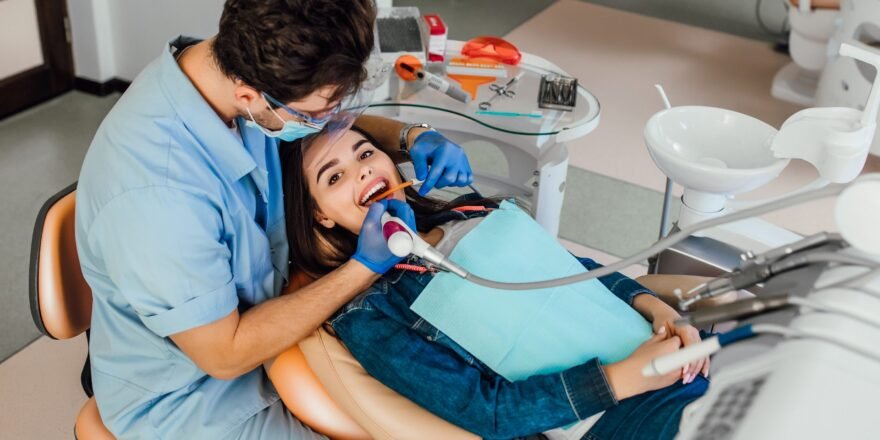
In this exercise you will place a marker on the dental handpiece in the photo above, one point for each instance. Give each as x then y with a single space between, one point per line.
402 241
441 85
736 310
757 273
438 83
758 268
709 289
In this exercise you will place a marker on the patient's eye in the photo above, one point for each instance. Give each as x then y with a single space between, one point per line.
366 154
334 178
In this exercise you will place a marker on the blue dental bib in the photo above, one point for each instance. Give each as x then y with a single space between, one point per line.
519 334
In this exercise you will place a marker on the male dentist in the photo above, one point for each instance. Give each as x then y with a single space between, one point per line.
180 220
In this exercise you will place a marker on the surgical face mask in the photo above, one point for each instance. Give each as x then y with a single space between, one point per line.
290 130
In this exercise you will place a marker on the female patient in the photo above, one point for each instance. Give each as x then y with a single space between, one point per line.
326 190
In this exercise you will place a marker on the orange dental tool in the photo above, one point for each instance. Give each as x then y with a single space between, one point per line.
387 193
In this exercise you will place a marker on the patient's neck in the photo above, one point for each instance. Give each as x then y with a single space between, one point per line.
433 236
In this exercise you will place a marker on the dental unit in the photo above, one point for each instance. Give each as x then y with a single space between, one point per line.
806 359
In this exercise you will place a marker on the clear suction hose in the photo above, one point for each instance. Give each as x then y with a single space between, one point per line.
672 239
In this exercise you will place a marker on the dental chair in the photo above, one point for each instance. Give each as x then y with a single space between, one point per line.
319 381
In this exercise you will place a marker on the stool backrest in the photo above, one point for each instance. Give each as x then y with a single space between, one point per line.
61 300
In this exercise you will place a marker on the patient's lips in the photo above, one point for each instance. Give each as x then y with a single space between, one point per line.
377 186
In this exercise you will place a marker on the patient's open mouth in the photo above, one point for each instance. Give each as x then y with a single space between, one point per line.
377 187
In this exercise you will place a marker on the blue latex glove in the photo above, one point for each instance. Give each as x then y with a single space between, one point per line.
439 162
372 249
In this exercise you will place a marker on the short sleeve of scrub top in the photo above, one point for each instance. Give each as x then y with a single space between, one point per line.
164 251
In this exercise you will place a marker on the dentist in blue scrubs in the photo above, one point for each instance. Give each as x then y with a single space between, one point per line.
180 222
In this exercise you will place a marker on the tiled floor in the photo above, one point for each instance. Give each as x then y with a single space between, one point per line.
41 151
40 393
757 19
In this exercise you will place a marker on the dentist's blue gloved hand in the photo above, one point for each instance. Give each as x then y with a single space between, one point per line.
439 162
372 249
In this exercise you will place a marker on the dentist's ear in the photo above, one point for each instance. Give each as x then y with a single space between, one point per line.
246 96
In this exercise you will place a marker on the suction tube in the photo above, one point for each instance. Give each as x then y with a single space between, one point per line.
671 240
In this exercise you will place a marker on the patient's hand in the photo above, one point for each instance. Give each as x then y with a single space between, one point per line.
663 317
626 378
689 335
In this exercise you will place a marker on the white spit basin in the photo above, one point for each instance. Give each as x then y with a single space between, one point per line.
713 150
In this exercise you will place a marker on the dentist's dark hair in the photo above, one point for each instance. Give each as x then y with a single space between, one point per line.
317 250
291 48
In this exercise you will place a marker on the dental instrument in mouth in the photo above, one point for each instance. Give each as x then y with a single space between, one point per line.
377 197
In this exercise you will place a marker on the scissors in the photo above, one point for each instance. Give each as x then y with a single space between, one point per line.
501 91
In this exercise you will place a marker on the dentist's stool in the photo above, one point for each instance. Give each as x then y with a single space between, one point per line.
61 301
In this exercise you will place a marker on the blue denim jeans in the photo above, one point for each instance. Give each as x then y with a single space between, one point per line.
654 415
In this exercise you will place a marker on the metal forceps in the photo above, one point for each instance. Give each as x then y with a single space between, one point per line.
501 91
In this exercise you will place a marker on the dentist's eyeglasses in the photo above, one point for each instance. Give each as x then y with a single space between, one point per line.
318 122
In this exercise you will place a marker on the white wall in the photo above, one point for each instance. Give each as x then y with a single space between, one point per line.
92 39
118 38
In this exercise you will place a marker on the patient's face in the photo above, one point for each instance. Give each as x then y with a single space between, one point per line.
342 178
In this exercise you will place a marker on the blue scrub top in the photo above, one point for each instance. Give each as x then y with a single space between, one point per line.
179 221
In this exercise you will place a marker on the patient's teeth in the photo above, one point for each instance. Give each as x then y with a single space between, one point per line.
374 190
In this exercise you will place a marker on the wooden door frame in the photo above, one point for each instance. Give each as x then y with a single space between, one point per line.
55 76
